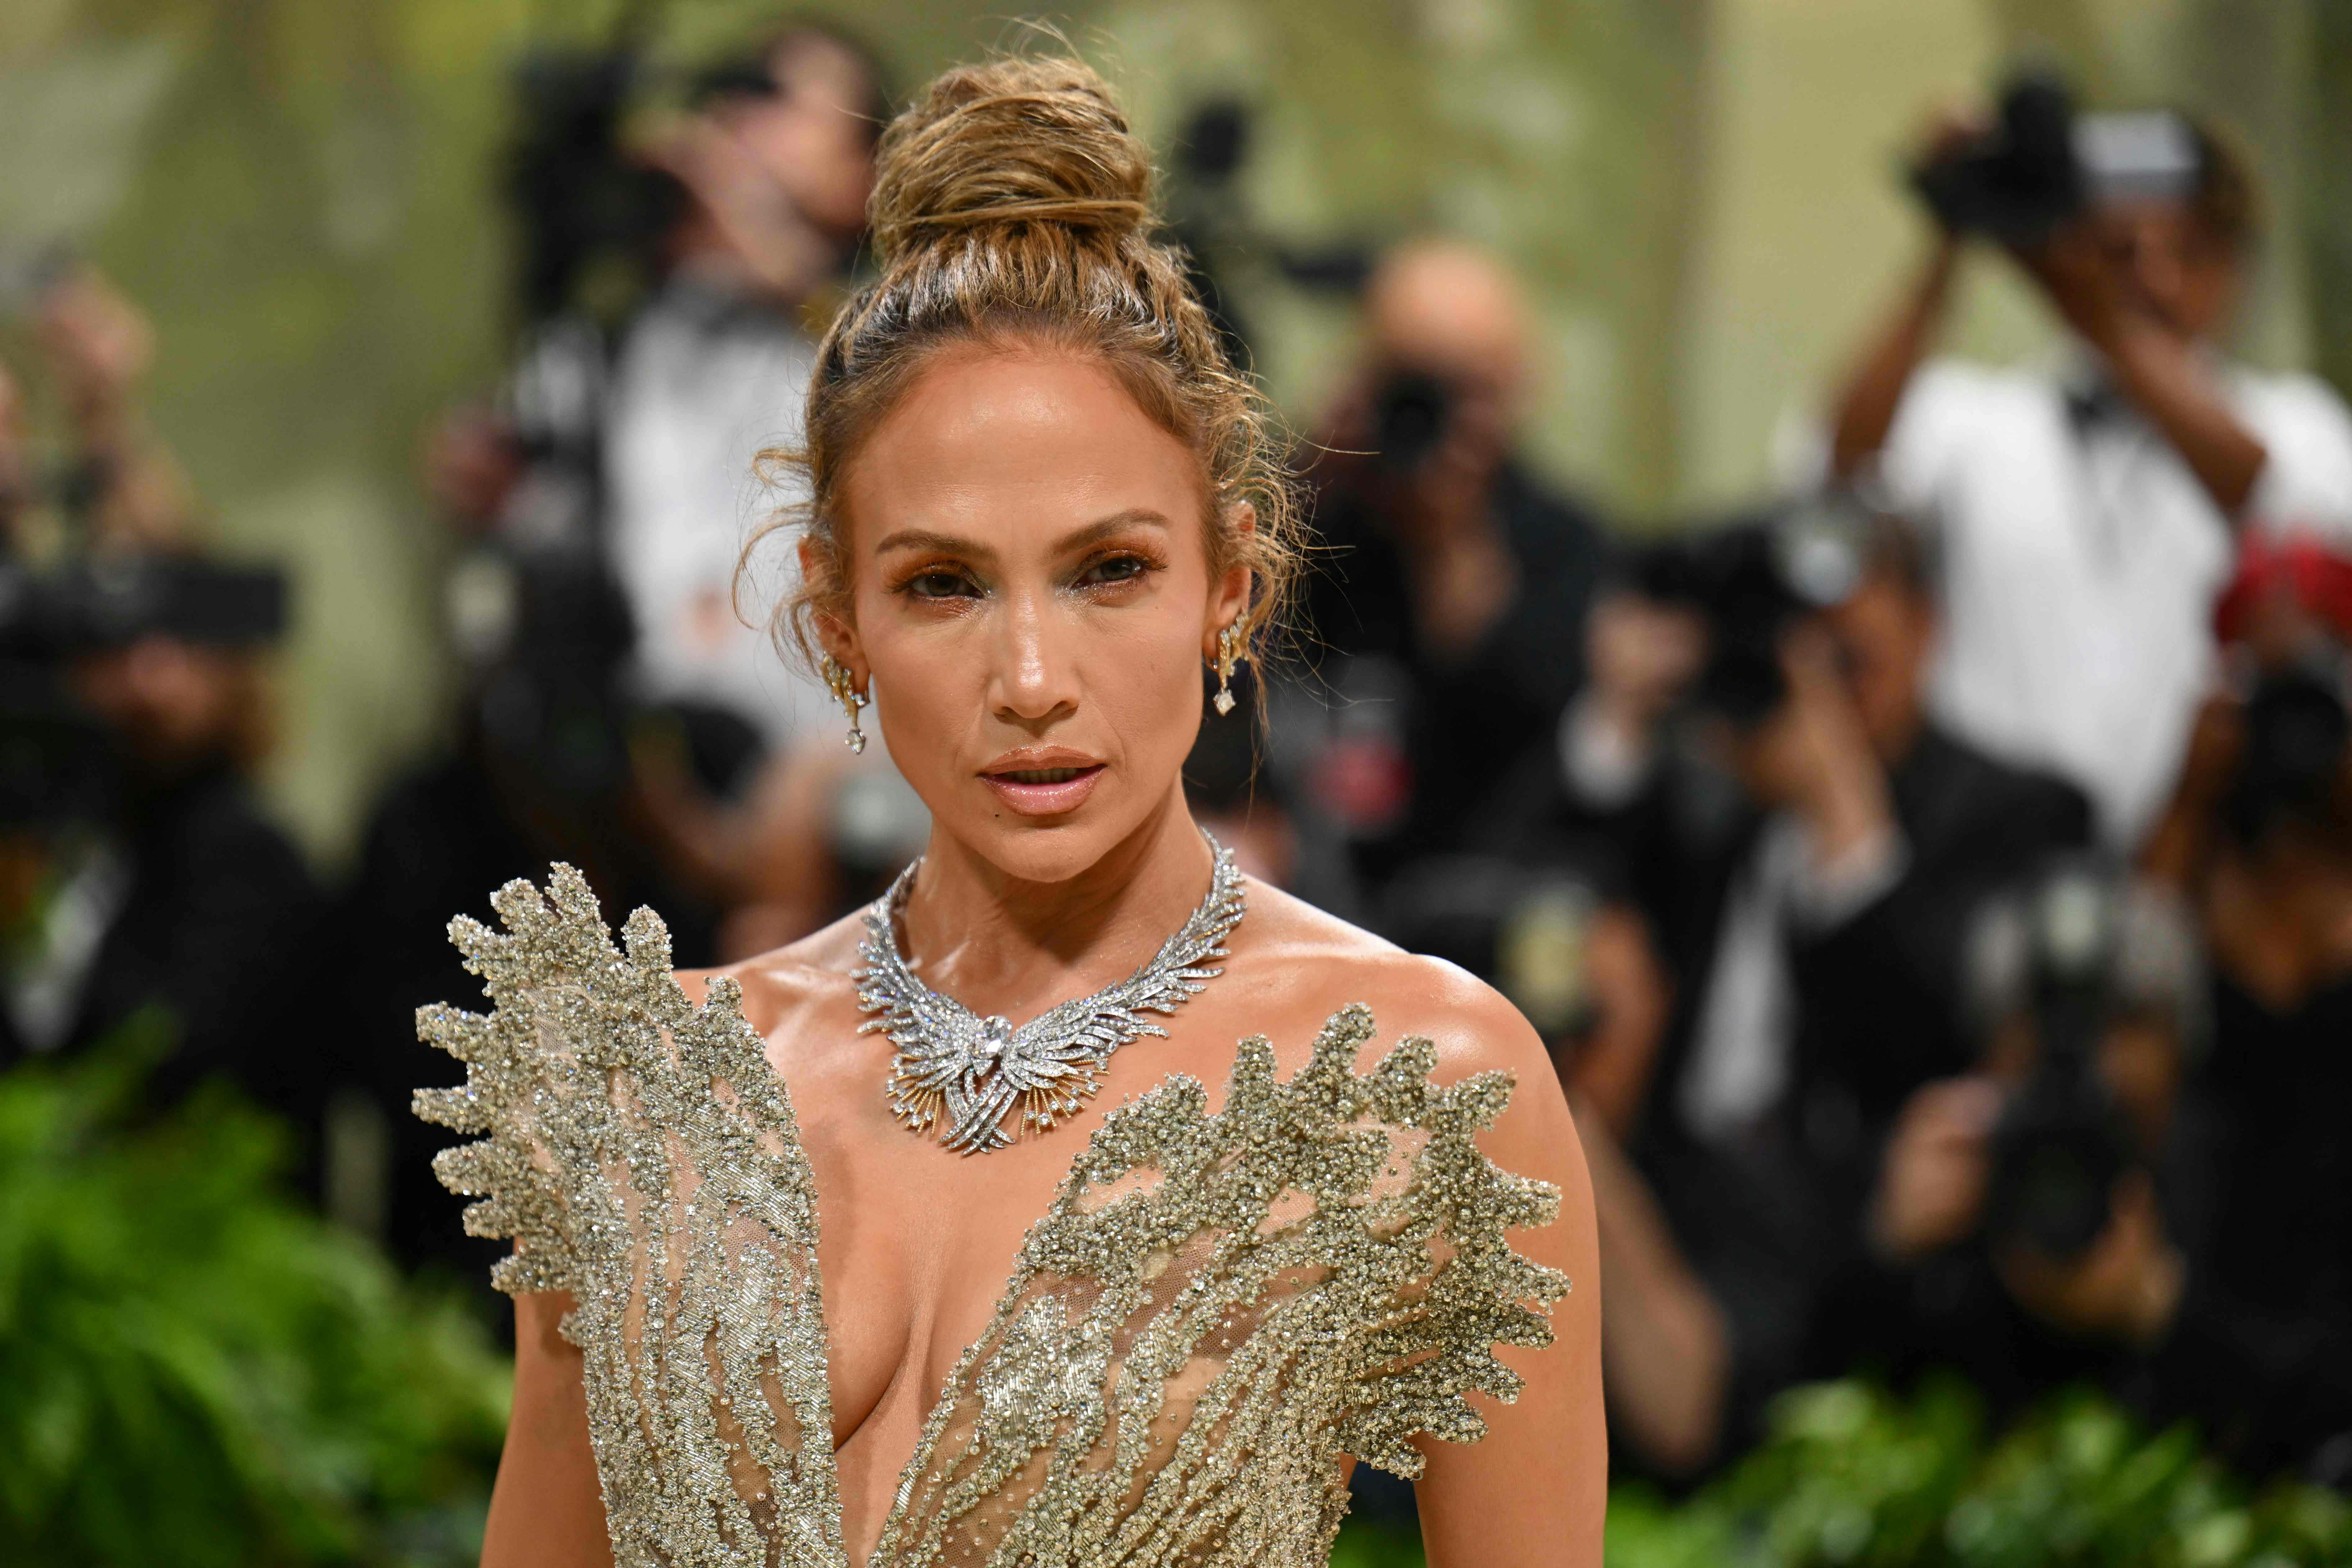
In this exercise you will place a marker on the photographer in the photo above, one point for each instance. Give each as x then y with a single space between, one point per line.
150 878
636 440
1907 831
2089 513
1791 656
2259 841
2032 1219
776 158
138 873
117 486
1449 618
1808 844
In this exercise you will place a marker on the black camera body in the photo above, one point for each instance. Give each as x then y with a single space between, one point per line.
2042 165
59 766
1411 412
1749 580
2019 182
579 199
2293 767
2061 1146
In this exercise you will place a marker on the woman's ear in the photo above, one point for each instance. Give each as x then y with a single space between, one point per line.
1229 597
836 636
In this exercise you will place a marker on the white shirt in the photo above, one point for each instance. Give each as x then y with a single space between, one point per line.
2079 560
702 387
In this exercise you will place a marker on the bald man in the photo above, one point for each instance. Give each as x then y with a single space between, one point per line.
1449 615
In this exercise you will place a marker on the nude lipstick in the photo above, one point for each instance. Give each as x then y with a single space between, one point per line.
1043 781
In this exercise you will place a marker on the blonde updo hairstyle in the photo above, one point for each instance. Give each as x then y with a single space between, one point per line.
1011 206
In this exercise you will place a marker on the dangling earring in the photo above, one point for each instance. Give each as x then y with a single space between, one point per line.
843 687
1232 648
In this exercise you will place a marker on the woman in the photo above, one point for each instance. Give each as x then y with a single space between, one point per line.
1040 497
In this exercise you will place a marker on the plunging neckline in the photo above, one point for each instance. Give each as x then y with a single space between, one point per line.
935 1398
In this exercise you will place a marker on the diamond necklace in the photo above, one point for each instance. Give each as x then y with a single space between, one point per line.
965 1075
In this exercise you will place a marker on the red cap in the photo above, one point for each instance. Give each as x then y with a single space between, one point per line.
2303 569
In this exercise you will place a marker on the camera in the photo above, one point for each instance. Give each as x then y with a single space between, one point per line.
2291 768
2018 182
2042 163
589 213
2060 1145
1749 580
1411 413
59 765
103 602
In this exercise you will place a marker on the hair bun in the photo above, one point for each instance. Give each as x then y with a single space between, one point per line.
1014 142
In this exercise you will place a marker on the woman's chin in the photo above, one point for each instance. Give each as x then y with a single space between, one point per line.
1043 848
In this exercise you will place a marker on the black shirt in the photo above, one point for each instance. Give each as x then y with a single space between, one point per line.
2261 1350
1881 1001
1419 737
215 927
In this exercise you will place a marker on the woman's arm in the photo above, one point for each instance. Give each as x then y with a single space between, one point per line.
547 1511
1534 1492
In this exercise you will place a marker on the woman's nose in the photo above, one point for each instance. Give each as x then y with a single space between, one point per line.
1034 681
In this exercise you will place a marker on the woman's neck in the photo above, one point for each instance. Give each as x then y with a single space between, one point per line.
998 944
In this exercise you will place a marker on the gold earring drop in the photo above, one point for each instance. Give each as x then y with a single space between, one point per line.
1232 648
843 687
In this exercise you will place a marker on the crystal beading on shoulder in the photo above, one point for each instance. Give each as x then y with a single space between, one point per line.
643 1155
966 1075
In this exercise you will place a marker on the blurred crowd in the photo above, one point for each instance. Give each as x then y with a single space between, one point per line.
1935 882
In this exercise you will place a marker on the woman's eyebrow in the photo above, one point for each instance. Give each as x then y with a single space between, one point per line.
1119 521
925 539
1079 539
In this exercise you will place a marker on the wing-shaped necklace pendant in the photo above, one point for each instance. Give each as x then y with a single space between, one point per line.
967 1077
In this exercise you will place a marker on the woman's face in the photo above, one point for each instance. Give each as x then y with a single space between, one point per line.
1031 601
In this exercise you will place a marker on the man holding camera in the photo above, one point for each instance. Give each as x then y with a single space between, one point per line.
1450 615
2027 1221
2090 514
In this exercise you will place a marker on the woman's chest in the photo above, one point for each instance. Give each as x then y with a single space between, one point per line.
917 1243
916 1246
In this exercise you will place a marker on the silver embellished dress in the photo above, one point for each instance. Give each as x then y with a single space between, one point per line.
1214 1310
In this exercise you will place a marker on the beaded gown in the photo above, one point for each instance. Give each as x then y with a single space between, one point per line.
1214 1311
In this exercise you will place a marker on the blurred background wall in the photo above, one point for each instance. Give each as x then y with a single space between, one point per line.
1699 193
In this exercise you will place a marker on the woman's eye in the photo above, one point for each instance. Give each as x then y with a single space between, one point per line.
939 586
1117 569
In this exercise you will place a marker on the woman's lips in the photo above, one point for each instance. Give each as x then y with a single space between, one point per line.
1044 792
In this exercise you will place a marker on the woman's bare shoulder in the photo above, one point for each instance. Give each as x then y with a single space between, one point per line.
813 974
1313 962
1305 966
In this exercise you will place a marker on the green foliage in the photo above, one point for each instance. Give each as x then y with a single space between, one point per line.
1364 1546
1852 1477
198 1371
